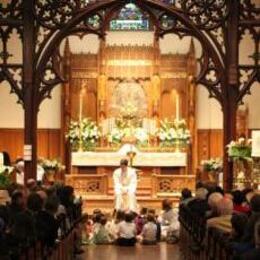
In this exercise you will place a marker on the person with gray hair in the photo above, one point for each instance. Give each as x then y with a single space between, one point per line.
224 209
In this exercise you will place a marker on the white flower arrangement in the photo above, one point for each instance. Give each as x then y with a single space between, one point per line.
212 165
84 133
172 132
115 136
141 135
240 149
48 165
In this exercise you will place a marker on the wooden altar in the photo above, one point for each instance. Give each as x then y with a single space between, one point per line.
159 85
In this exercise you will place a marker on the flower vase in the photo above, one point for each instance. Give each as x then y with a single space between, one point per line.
177 147
50 175
242 173
212 176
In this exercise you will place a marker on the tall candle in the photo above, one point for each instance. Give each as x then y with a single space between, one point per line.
81 96
80 105
177 106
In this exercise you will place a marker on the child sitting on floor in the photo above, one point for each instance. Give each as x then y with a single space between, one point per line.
100 233
149 232
127 231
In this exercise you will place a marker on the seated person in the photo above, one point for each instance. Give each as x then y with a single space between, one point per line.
157 223
186 196
213 201
19 168
149 232
253 220
239 202
169 222
46 223
199 205
224 212
101 234
112 225
140 220
127 231
238 222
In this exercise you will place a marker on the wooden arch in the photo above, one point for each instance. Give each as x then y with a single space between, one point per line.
55 20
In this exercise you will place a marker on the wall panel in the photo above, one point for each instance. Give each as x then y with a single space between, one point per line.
11 141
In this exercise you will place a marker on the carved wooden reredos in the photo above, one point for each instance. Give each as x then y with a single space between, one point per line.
158 78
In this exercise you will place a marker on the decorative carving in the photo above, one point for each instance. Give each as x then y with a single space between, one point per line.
88 184
168 184
217 24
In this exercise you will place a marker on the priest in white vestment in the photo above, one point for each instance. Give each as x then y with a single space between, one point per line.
125 182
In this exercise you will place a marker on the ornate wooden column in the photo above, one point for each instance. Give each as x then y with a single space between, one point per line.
231 89
30 89
65 109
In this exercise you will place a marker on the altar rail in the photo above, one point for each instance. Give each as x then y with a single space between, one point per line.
102 184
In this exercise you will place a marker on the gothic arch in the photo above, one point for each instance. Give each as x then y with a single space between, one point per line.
218 25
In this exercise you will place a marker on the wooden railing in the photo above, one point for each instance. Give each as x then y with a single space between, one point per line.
164 185
199 243
91 184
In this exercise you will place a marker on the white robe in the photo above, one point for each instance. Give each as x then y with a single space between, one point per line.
125 188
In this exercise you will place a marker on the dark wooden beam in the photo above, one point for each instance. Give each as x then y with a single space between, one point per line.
29 87
231 89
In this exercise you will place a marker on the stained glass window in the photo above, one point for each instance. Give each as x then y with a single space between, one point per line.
130 18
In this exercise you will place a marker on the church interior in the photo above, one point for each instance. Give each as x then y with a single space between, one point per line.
171 86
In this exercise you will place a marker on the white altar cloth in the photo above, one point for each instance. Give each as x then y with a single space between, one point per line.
150 159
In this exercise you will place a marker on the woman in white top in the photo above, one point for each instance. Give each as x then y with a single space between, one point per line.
127 231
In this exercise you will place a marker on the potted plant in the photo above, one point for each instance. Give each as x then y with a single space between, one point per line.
173 133
5 181
83 135
212 167
240 152
51 168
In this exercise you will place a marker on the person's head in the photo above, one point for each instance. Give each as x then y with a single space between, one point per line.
166 204
238 197
150 218
97 211
224 207
19 165
249 196
201 193
52 204
34 202
199 184
120 215
255 203
43 195
151 211
97 217
239 222
213 200
123 164
129 217
103 220
31 185
186 194
143 211
17 199
220 190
